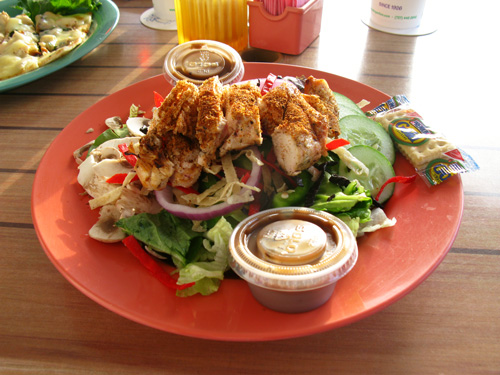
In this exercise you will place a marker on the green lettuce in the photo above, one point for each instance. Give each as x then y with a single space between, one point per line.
208 274
200 257
63 7
108 135
163 233
353 201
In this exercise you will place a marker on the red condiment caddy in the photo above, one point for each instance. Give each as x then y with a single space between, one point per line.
290 32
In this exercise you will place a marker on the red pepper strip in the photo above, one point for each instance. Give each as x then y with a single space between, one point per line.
253 208
185 190
151 265
271 78
131 158
271 156
400 179
336 143
240 172
119 178
271 165
271 160
158 99
245 177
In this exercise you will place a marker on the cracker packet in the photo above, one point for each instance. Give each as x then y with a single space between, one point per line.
434 157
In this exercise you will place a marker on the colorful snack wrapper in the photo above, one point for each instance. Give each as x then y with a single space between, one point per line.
434 157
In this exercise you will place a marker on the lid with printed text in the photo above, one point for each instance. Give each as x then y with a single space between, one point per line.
199 60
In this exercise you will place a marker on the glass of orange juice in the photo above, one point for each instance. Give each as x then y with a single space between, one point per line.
225 21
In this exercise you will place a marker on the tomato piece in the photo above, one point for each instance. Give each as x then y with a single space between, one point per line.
158 99
336 143
268 84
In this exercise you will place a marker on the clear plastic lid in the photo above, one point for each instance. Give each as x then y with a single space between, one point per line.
199 60
338 256
291 242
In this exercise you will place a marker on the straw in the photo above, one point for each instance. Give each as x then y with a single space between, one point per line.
276 7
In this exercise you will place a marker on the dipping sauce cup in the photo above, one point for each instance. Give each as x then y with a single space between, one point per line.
292 257
199 60
224 21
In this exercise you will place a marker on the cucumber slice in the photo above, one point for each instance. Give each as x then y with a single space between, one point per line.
360 130
347 111
347 106
380 171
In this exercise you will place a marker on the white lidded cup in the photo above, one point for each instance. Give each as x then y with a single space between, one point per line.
397 14
164 9
292 257
198 60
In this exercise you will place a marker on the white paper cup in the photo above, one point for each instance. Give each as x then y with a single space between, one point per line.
397 14
164 9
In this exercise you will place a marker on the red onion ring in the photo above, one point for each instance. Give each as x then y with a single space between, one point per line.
165 199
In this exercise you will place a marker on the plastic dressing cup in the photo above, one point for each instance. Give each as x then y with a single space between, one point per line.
397 14
199 60
292 257
225 21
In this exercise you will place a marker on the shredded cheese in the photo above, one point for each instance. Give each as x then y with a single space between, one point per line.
108 198
363 103
228 189
129 178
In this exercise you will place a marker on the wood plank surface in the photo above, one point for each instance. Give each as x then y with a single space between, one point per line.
450 324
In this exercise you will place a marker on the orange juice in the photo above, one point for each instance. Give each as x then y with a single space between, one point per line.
225 21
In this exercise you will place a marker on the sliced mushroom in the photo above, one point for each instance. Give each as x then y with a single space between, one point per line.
114 122
105 229
110 167
138 126
87 173
77 154
109 153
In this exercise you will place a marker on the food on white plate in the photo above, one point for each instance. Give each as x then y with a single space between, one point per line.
18 45
41 35
215 154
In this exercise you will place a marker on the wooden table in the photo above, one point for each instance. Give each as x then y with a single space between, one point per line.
450 324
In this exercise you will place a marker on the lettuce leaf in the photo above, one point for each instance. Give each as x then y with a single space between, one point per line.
353 201
63 7
162 232
377 221
208 274
109 134
200 257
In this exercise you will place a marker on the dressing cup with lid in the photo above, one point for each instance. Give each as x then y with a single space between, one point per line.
292 257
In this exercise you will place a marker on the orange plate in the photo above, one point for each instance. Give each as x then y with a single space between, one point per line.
391 262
